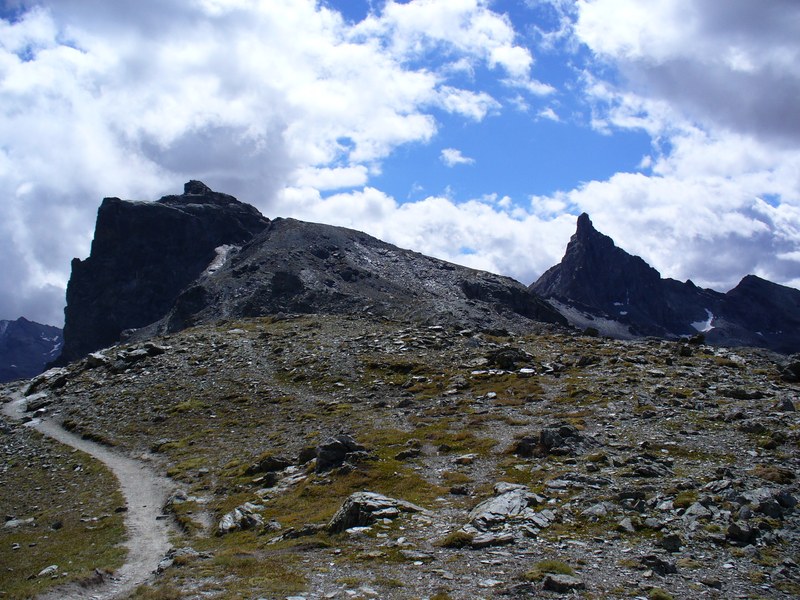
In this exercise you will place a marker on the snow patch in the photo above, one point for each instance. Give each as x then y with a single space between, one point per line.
223 252
704 326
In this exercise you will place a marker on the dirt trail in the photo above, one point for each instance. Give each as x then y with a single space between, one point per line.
145 494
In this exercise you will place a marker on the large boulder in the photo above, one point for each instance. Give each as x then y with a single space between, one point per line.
364 508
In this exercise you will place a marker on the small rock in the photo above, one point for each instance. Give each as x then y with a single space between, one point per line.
556 582
241 517
671 542
47 571
364 508
658 565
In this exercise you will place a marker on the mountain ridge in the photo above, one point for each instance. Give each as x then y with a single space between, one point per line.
26 347
596 280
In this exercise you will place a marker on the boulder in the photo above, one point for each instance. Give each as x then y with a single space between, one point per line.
362 509
338 449
558 439
240 518
511 501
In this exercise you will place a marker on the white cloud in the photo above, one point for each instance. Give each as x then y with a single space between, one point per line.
132 99
734 64
487 233
550 114
452 157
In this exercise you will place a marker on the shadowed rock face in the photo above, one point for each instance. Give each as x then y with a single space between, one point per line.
143 255
26 347
600 279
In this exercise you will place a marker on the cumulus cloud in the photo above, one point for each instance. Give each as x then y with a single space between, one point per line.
734 64
488 233
713 85
452 157
132 99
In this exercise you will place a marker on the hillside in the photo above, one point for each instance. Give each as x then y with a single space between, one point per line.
535 462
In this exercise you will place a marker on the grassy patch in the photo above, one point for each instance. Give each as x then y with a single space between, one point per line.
72 499
544 567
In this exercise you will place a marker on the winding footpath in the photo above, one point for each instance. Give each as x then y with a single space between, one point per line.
145 494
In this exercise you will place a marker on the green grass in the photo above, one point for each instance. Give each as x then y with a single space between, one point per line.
544 567
68 488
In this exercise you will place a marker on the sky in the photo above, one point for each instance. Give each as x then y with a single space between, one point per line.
475 131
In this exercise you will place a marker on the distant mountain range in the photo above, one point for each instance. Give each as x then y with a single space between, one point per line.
600 285
203 256
26 347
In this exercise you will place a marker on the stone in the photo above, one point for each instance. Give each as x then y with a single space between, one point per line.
268 464
484 540
48 571
658 564
510 500
240 518
697 511
335 450
626 525
601 509
364 508
556 582
558 439
671 542
741 533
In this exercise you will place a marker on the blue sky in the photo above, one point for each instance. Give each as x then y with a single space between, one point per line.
472 130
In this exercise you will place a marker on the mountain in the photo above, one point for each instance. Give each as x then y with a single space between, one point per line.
600 285
204 256
26 347
143 255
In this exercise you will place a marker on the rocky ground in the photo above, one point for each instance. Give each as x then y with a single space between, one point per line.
494 465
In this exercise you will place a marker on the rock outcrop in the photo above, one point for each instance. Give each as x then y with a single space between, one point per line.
26 347
601 286
143 255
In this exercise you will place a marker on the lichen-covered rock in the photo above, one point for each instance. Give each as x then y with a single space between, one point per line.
364 508
241 517
511 501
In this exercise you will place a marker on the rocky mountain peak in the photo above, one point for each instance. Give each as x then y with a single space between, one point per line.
26 347
600 285
203 256
143 255
585 227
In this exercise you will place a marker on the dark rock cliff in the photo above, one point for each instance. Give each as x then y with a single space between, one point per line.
143 255
26 347
597 278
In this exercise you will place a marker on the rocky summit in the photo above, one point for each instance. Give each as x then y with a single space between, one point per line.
143 255
601 286
203 256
